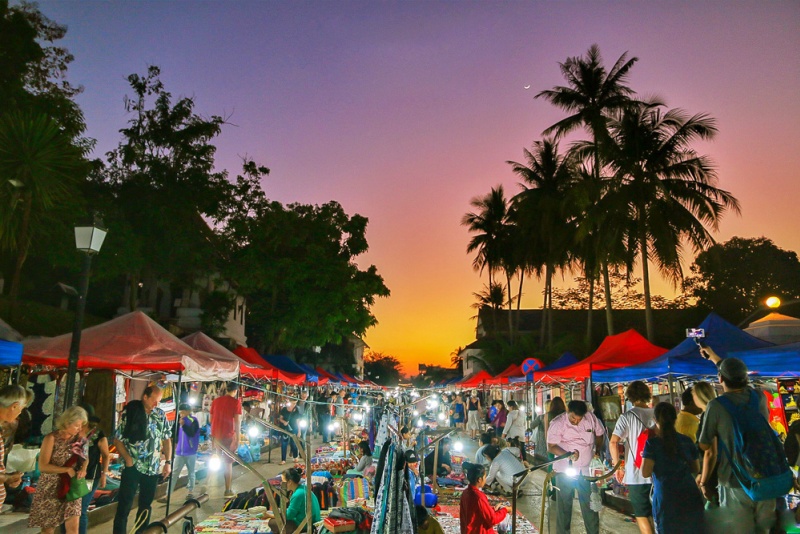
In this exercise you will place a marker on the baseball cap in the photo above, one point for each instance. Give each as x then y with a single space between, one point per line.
733 369
411 456
184 407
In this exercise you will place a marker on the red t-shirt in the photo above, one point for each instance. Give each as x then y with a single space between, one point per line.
223 412
476 514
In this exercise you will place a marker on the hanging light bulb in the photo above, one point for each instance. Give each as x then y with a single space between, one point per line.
357 416
302 423
214 463
522 407
458 446
415 413
441 416
420 424
331 427
571 471
192 400
336 424
253 431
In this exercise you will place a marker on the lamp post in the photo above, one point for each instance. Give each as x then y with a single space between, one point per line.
770 303
88 239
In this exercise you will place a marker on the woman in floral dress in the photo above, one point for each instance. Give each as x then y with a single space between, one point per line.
47 510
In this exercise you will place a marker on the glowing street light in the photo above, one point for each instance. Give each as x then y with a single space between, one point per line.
773 302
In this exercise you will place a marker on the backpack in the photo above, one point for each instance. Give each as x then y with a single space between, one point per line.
757 459
641 441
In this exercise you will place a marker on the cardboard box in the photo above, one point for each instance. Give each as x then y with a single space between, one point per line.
339 525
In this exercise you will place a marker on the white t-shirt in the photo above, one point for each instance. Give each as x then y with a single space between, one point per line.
628 429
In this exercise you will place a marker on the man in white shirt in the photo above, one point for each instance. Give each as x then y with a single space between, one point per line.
504 465
629 427
487 438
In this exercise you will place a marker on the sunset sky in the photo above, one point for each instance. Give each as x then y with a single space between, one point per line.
404 111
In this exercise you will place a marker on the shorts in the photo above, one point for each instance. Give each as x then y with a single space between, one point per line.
227 443
639 495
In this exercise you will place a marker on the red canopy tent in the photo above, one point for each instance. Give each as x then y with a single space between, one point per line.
620 350
475 380
257 367
131 342
323 373
502 378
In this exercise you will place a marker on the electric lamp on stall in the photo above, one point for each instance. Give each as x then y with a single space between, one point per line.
214 463
357 417
415 413
420 424
303 424
331 427
441 416
192 400
253 431
571 471
458 446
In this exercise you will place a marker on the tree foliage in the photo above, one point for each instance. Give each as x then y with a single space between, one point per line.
296 264
734 278
382 369
625 295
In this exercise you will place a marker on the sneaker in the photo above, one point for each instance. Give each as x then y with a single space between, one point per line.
229 494
283 462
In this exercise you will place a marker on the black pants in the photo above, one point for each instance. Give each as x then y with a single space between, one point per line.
131 481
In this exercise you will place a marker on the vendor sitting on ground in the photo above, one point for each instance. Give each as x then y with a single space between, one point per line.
487 439
425 523
365 466
504 464
444 466
296 511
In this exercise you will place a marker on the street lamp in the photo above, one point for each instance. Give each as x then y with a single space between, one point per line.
88 239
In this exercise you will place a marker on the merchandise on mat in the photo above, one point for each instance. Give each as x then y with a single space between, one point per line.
339 525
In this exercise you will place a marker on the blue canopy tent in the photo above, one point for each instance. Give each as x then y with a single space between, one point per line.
772 362
285 364
10 353
565 360
684 359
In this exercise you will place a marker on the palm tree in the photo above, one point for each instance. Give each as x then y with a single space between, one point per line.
667 188
591 94
39 168
490 224
542 213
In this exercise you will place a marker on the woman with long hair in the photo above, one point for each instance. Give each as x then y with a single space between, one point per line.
703 393
672 460
476 514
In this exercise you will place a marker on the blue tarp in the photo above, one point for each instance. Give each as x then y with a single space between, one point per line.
10 353
685 359
777 361
286 364
565 360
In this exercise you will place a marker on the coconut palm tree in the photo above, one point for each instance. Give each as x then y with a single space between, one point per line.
667 189
542 213
40 167
489 223
591 94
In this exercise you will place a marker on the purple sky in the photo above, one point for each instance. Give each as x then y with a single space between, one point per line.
402 112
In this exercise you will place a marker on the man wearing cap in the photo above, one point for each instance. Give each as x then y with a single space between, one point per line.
186 450
739 513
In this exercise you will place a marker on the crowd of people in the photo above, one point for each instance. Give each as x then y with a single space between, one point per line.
679 469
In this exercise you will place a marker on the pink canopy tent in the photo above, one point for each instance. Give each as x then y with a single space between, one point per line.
257 367
131 342
620 350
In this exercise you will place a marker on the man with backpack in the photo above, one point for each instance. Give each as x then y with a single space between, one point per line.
736 437
633 428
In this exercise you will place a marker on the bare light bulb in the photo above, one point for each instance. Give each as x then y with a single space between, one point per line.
441 416
458 446
302 423
253 431
214 463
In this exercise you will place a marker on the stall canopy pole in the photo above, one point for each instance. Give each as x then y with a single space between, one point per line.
176 396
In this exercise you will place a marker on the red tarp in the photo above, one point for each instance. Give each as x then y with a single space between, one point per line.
502 378
475 380
323 373
621 350
257 367
131 342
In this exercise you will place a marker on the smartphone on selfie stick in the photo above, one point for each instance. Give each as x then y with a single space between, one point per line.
698 334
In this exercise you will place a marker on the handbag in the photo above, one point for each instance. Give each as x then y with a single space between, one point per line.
78 488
